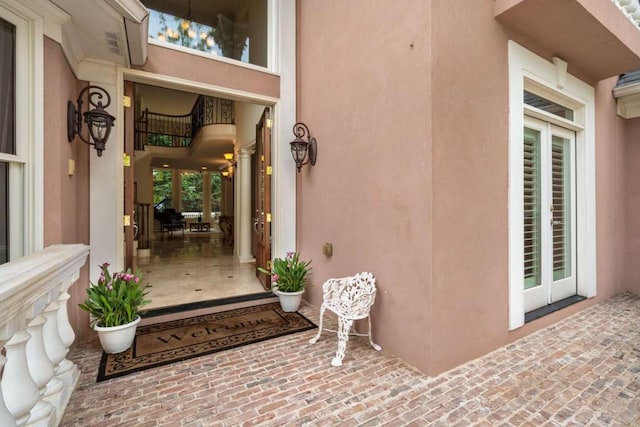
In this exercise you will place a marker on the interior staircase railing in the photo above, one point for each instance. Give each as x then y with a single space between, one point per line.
165 130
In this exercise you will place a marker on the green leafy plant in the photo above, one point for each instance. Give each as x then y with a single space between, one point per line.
116 299
288 274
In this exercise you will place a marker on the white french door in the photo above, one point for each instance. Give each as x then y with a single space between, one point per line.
549 213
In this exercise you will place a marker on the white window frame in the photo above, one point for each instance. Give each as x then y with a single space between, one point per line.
550 80
273 36
26 181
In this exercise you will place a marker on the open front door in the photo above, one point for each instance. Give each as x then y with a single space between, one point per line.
262 220
128 179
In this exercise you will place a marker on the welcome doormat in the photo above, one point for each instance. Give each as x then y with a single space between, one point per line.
176 340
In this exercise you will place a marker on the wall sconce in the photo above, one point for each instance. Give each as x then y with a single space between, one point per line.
303 151
228 156
97 119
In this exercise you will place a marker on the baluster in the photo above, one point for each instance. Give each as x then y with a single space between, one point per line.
63 368
6 419
57 389
67 336
20 391
41 371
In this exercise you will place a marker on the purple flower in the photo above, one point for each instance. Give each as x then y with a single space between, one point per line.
290 254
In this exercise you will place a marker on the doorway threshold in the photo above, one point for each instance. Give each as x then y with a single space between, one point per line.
207 304
548 309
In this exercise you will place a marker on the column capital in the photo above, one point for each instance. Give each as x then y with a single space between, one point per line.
245 152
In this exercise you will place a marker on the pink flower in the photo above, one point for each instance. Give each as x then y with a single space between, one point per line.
110 287
275 277
290 254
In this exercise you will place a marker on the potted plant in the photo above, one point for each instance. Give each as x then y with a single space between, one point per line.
114 304
288 277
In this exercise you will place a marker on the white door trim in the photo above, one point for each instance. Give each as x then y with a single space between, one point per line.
529 70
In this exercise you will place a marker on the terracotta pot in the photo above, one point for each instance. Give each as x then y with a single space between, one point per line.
116 339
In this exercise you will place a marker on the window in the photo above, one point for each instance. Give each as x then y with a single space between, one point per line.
21 115
551 185
234 30
7 125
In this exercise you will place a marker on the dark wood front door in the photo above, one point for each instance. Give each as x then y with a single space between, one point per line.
262 174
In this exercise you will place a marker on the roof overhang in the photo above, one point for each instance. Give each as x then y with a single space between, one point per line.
104 31
628 100
595 36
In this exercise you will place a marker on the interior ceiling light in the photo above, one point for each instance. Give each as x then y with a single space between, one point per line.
228 156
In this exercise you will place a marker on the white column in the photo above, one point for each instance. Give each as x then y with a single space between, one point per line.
244 221
106 193
176 190
206 197
6 419
283 184
20 391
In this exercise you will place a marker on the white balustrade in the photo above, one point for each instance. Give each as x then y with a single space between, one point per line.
630 8
36 379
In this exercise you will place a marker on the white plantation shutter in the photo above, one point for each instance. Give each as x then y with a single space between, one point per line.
561 215
532 226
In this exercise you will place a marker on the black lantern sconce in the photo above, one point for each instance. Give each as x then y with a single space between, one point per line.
97 119
304 148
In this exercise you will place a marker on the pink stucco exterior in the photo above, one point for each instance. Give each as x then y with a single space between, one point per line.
410 108
66 198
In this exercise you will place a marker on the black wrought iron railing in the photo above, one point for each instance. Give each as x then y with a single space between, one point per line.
165 130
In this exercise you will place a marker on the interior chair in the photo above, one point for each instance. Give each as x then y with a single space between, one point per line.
350 298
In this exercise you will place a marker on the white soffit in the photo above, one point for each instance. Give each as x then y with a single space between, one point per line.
628 100
112 31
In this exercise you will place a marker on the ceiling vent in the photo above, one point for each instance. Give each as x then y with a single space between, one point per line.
113 42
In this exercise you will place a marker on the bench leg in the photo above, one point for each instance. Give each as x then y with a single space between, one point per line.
344 326
317 337
374 345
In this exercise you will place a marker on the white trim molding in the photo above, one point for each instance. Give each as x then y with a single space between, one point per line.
28 237
527 70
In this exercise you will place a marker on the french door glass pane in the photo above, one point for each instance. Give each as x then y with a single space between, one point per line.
7 87
4 212
561 214
532 224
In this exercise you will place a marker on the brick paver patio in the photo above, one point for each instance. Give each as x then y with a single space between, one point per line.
584 370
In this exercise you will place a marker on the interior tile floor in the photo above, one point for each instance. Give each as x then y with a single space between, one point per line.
194 266
583 370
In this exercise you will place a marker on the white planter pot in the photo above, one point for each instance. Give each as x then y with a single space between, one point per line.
289 301
116 339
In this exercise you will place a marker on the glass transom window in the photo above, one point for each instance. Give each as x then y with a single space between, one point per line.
546 105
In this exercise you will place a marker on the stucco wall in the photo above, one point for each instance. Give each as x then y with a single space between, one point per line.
410 108
66 198
365 94
195 68
470 176
632 208
610 192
